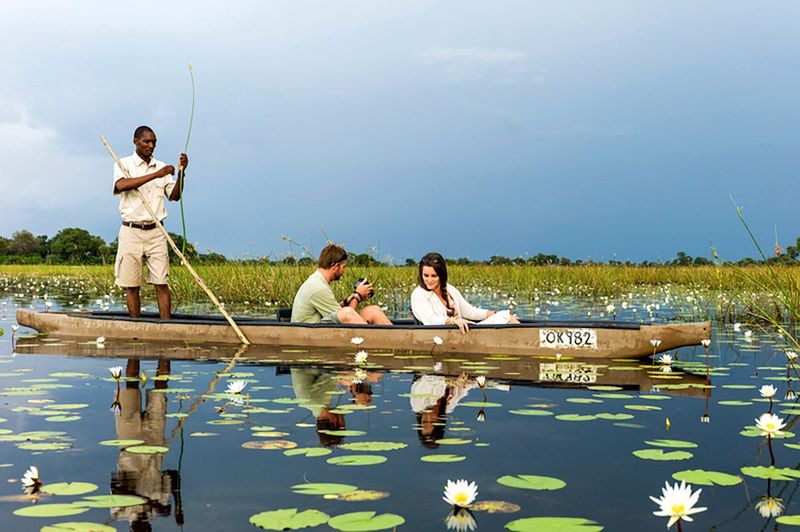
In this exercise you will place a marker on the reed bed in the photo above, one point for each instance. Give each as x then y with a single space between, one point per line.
275 285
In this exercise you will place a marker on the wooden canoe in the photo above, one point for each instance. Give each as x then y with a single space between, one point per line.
584 339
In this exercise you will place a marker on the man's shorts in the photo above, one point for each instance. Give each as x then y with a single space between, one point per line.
137 248
331 318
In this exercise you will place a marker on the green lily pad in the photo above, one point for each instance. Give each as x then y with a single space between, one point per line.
674 444
735 403
44 446
111 501
531 412
643 408
553 524
576 417
614 417
771 472
480 404
343 432
289 519
707 478
322 488
62 418
531 482
583 400
791 520
308 452
357 460
751 431
51 510
495 507
442 458
121 443
795 446
659 454
359 495
78 527
69 488
364 521
373 446
146 449
453 441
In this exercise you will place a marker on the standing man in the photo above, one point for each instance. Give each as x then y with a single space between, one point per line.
140 242
315 302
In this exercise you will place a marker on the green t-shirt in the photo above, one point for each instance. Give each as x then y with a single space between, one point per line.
314 300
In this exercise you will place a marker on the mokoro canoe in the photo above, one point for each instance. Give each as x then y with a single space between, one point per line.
586 339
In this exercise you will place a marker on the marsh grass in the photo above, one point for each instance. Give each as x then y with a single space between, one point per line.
725 291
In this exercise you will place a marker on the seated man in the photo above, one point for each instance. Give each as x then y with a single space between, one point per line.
316 303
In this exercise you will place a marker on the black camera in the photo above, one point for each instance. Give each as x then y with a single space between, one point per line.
358 283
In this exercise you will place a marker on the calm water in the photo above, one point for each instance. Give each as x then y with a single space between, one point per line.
228 461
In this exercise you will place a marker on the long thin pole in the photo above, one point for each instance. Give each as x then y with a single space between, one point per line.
177 251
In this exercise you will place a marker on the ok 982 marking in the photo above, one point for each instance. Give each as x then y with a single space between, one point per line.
568 338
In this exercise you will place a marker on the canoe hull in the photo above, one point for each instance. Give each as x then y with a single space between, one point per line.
613 340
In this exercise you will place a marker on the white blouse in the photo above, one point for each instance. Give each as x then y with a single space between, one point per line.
429 309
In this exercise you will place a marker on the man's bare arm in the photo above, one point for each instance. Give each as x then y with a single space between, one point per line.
124 184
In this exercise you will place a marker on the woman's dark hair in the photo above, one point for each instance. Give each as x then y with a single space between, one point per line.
435 261
436 429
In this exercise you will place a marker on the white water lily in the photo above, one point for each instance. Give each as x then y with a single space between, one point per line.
737 327
790 395
481 415
666 360
611 309
461 520
655 342
116 372
460 493
705 419
791 355
437 366
361 357
359 376
748 334
100 340
14 328
770 424
677 502
706 342
438 340
769 507
768 391
30 480
481 380
236 386
356 340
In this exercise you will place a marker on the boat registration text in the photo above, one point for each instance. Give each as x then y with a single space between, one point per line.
568 338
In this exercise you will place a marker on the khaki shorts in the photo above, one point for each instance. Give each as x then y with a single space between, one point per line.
136 249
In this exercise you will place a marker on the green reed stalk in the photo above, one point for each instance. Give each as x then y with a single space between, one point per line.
180 168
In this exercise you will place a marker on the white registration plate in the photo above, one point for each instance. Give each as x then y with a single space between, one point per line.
567 372
568 338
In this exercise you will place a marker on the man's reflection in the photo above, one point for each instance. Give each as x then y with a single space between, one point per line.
433 397
142 474
317 390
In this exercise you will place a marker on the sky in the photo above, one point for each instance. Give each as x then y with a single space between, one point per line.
593 130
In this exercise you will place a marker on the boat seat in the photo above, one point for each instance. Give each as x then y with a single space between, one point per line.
284 314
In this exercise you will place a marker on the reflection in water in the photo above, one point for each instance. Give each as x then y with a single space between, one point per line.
142 474
461 520
316 389
432 398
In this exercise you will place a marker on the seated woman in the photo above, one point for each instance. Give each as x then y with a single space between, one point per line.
434 302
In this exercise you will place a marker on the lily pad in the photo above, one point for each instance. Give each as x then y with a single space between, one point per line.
322 488
308 452
111 501
289 519
791 520
771 472
553 524
363 521
735 403
453 441
442 458
531 412
661 455
707 478
480 404
51 510
78 527
121 443
495 507
674 444
532 482
576 417
146 449
614 417
643 408
373 446
69 488
343 432
269 444
357 460
359 495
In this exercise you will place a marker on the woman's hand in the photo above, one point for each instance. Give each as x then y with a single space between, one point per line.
463 324
489 313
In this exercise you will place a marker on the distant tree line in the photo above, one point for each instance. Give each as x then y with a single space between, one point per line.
74 245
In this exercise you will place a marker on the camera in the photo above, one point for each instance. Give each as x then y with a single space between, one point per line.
359 282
